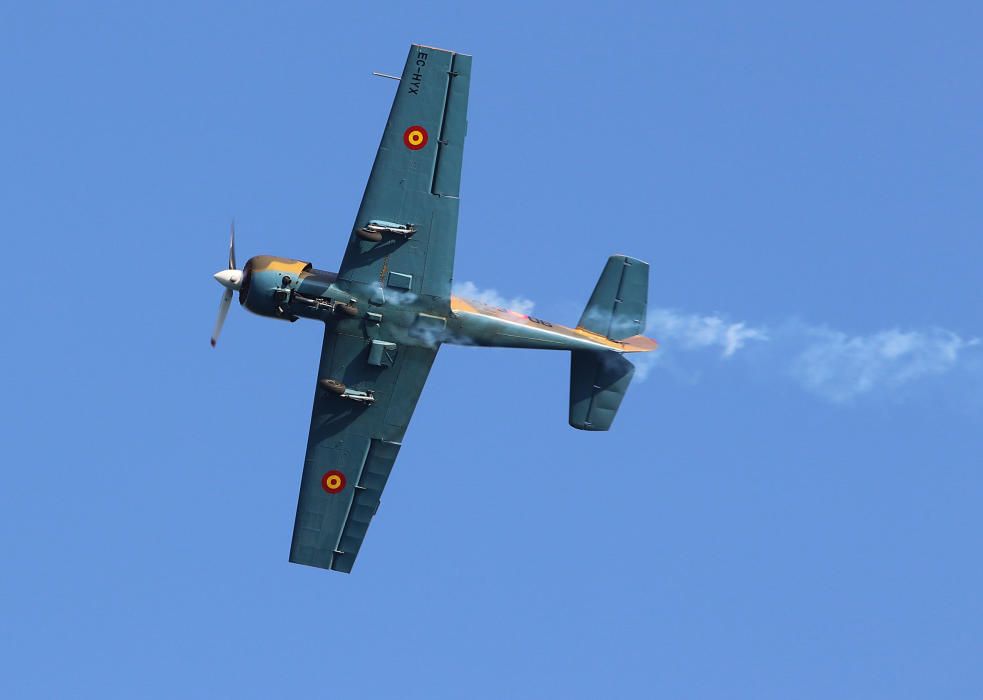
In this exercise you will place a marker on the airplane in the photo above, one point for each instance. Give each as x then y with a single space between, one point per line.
389 308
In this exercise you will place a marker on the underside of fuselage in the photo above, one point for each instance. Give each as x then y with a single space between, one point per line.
499 327
291 289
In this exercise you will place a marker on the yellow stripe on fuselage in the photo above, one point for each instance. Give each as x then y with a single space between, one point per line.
635 344
277 264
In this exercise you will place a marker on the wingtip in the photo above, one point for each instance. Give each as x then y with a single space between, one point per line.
437 48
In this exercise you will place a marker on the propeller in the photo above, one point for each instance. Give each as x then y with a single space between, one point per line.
231 279
232 245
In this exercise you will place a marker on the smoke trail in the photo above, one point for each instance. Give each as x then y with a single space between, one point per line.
491 297
824 361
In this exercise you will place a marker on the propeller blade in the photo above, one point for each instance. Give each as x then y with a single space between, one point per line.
232 247
223 310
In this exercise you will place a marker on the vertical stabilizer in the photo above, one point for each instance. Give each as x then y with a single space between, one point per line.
617 307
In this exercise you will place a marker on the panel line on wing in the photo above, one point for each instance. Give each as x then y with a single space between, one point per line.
337 545
442 135
454 127
378 466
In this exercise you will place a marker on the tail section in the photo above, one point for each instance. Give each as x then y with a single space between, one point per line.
617 307
616 310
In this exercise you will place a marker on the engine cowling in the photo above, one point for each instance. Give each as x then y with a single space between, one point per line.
267 281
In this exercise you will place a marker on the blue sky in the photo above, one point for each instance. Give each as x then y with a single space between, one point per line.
788 505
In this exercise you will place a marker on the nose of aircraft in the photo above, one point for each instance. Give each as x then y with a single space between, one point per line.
230 279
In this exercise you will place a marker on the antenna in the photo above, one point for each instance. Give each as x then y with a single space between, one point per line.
385 75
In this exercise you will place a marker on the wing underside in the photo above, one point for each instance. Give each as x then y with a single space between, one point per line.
412 197
352 446
415 180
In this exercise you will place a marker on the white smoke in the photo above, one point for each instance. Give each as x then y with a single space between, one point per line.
841 367
394 296
491 297
694 332
829 363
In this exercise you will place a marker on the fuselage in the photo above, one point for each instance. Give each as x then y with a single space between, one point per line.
499 327
291 289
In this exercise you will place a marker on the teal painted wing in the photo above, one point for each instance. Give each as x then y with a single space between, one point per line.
352 447
415 180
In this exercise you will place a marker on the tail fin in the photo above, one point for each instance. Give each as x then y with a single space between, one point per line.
617 307
598 382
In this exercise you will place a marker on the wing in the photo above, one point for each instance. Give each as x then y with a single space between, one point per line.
415 180
352 446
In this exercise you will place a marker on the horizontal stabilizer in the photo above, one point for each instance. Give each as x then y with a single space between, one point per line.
617 307
598 382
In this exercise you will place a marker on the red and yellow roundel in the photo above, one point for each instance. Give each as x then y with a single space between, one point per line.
415 138
333 481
